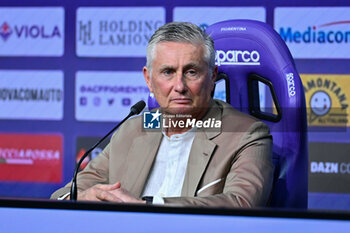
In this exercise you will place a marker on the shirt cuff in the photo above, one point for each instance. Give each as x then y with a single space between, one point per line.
62 197
158 200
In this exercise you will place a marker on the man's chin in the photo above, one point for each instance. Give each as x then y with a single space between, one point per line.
183 111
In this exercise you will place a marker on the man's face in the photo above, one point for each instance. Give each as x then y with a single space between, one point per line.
181 81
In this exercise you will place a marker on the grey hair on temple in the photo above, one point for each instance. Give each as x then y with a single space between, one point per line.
184 33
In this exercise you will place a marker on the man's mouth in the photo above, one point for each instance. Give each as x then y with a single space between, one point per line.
181 100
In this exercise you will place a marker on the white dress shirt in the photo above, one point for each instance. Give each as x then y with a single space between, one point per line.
168 172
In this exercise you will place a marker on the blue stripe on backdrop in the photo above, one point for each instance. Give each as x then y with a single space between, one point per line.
329 201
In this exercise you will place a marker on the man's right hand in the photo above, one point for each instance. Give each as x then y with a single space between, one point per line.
100 192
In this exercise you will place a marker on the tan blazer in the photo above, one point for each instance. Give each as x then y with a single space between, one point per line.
229 167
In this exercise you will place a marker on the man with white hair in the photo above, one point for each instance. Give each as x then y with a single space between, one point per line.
226 164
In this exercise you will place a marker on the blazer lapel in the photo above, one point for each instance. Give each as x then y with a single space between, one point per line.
144 150
140 159
202 150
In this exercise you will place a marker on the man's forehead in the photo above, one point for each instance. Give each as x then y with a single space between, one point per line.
169 50
176 44
189 65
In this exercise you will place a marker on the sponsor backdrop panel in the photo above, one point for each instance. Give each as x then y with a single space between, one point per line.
116 32
327 99
48 49
31 95
31 157
31 31
329 167
205 16
107 96
329 175
315 32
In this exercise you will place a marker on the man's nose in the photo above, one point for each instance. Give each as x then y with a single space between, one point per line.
180 83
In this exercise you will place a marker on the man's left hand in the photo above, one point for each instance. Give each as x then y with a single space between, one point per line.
125 196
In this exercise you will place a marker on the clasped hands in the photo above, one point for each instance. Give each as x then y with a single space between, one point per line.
108 192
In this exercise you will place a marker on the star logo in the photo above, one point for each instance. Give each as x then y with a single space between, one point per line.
151 120
156 115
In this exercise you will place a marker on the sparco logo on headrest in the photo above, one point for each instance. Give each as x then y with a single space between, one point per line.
237 57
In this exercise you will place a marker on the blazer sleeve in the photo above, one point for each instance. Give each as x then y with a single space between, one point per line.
248 182
96 172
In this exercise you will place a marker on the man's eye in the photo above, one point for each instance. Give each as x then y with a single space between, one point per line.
168 72
191 73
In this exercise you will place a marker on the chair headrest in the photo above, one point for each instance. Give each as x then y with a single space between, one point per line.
249 43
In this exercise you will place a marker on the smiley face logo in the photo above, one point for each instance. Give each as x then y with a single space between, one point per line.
320 103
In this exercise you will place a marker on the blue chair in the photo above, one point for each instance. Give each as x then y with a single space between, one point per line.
262 81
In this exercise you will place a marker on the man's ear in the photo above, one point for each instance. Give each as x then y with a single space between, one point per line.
146 75
215 74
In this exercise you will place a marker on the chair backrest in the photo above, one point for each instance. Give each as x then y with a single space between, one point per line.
250 53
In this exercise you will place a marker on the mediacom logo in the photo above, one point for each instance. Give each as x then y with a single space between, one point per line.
320 34
31 157
237 57
314 32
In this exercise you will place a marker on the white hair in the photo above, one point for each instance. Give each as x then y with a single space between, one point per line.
184 33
